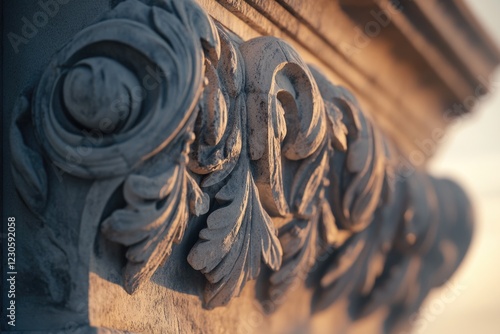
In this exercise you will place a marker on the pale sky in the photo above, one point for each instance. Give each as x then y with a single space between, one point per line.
471 155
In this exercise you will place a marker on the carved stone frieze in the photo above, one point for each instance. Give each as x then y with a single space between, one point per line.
159 115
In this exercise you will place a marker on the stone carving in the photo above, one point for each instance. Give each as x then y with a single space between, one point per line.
239 232
98 112
177 117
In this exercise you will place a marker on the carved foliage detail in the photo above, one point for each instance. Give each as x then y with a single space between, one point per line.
278 113
159 202
161 193
120 100
286 167
135 74
240 234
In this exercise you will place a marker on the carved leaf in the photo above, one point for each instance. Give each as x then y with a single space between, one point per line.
197 20
286 114
300 238
27 163
329 230
154 219
357 266
341 274
389 285
299 242
366 160
416 265
239 235
230 150
218 147
309 181
302 241
219 159
361 176
214 104
338 128
393 272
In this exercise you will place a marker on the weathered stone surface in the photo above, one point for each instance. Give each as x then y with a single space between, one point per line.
186 180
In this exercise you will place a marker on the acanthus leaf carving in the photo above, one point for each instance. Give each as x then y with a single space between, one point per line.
313 228
158 208
285 111
120 100
218 147
299 242
239 235
362 175
247 134
358 263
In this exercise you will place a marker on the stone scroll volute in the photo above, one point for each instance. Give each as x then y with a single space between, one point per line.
157 115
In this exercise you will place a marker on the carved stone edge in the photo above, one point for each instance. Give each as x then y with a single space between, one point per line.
288 171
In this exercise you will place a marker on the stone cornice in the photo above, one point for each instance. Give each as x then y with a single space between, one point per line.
156 115
429 56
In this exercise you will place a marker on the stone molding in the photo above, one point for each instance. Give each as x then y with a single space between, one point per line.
159 115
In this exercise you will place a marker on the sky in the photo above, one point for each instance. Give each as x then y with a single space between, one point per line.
470 154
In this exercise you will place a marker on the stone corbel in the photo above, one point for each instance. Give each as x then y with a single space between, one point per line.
160 117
